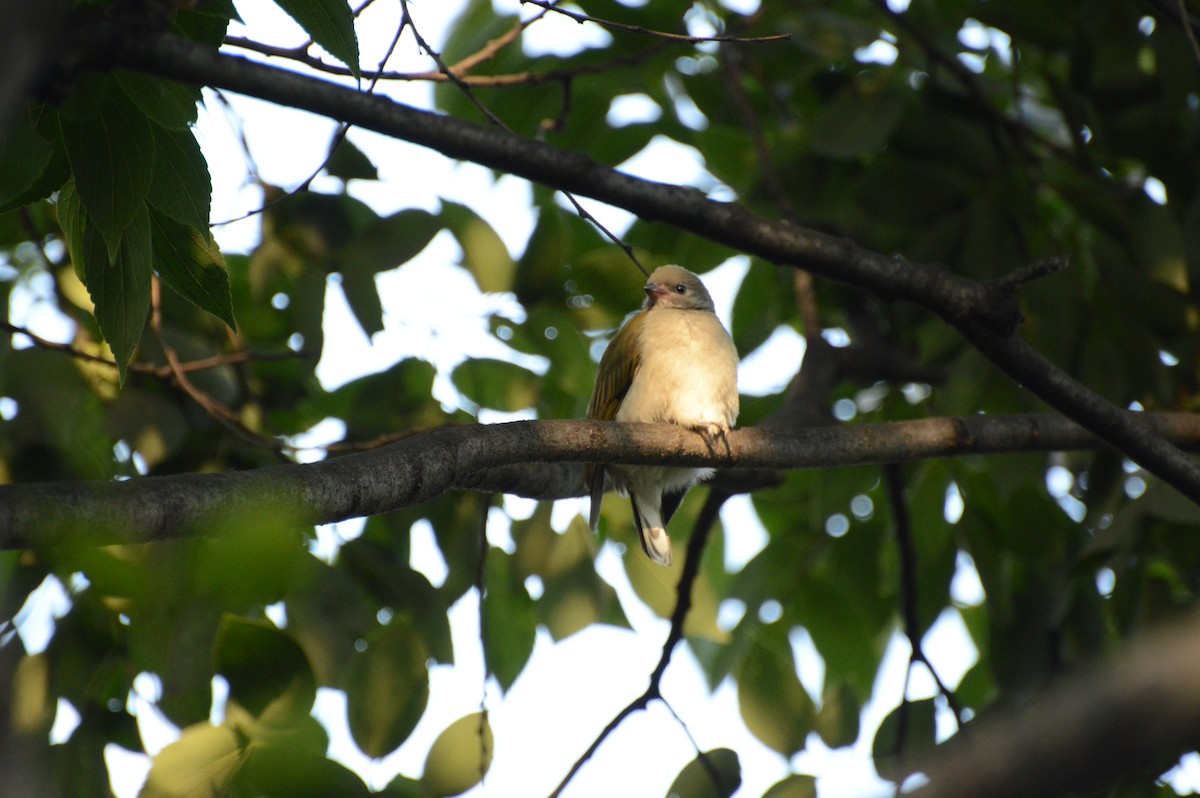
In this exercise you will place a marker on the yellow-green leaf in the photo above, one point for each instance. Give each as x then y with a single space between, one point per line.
459 758
773 702
713 774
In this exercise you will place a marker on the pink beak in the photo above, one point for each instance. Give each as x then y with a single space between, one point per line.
654 291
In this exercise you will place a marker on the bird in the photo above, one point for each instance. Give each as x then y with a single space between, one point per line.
672 362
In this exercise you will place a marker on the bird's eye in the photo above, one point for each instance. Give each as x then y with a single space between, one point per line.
681 289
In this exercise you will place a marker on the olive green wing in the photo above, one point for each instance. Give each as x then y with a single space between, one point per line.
618 365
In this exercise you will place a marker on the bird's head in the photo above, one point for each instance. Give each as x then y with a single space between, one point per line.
676 287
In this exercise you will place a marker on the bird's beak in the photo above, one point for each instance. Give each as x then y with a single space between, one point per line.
654 291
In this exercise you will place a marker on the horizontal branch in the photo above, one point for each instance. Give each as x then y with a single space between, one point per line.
499 458
985 313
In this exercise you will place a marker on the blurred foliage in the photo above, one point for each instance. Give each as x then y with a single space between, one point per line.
980 135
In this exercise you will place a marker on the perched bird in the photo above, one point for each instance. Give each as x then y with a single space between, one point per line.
671 363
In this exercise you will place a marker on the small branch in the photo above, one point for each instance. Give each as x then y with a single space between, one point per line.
675 37
495 120
214 409
151 370
908 586
1016 132
1185 19
1034 271
481 588
683 604
494 46
459 68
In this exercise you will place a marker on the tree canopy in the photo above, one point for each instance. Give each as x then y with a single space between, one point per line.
982 218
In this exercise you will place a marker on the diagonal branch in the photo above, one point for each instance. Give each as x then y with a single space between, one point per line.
1136 711
986 314
683 605
902 521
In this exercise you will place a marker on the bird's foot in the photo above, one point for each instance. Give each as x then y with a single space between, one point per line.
712 432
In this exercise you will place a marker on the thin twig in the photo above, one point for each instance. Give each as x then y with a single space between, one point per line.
445 70
806 301
1184 19
339 135
494 46
150 369
214 409
1017 132
1034 271
481 587
524 78
675 37
683 604
495 120
908 585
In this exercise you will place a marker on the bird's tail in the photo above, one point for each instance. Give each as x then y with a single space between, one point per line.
655 541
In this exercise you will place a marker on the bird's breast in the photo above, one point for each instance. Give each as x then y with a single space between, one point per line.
687 372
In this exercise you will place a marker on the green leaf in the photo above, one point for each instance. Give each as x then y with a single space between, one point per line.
384 243
242 563
387 689
837 721
857 123
60 418
496 384
758 306
165 102
182 186
773 703
24 155
112 158
330 23
121 291
191 264
908 730
509 623
797 786
267 671
459 758
362 294
327 613
379 562
206 21
120 288
387 242
713 774
348 162
484 253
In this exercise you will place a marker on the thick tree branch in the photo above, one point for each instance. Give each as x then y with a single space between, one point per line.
987 314
1139 711
490 458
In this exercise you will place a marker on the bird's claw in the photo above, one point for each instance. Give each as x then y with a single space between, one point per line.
712 432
